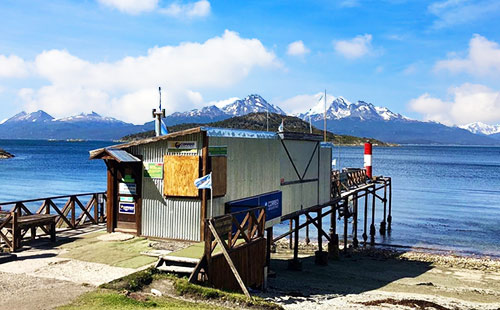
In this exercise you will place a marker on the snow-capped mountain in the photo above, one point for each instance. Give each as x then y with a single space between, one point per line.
251 104
40 125
482 128
91 117
341 108
38 116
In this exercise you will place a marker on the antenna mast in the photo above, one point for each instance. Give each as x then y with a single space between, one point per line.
324 130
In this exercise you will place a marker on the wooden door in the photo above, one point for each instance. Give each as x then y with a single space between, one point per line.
128 197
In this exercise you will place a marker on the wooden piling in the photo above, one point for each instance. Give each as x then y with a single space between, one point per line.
389 217
382 224
355 241
372 226
333 245
365 235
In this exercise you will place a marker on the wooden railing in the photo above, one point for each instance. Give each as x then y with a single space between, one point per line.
239 236
91 212
346 180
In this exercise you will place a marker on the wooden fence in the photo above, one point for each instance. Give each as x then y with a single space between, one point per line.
346 180
16 219
240 239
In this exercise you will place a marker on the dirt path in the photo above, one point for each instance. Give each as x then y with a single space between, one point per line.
383 280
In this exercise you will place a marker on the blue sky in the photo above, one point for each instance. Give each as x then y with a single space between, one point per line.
429 60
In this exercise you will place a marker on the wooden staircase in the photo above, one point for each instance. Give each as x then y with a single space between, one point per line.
176 264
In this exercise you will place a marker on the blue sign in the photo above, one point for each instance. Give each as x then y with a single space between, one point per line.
271 201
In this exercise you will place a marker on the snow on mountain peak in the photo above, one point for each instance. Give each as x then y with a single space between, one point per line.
38 116
250 104
481 128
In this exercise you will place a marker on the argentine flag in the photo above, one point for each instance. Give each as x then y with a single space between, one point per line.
204 182
281 127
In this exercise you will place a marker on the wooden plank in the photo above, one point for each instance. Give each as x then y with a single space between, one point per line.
180 172
229 260
219 175
204 194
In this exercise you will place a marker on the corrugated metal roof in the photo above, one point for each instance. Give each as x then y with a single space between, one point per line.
122 156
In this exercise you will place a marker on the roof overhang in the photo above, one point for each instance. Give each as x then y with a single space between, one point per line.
120 156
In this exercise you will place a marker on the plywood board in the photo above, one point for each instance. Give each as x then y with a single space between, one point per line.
219 175
179 175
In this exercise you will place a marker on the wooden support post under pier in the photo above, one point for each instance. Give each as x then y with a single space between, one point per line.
295 264
355 241
372 226
389 217
346 217
382 224
333 245
321 257
365 224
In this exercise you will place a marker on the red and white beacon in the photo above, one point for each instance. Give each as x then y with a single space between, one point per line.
368 159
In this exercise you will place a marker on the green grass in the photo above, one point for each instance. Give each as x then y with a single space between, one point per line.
110 300
124 254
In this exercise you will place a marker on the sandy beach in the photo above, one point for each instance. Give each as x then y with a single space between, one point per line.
385 279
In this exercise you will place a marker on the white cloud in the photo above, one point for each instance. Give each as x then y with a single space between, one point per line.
469 103
297 48
196 9
410 69
357 47
127 88
483 59
131 6
302 103
13 67
454 12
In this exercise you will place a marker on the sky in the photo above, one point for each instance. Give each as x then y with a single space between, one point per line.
428 60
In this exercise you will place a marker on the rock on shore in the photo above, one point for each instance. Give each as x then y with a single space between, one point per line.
5 154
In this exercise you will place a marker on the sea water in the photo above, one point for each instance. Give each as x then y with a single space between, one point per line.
444 197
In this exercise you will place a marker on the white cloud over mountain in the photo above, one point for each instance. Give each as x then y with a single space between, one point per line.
469 103
13 67
127 88
356 47
483 59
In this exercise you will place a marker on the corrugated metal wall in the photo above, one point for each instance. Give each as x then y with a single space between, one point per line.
167 217
252 168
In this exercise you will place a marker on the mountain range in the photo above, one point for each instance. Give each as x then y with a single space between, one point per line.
359 118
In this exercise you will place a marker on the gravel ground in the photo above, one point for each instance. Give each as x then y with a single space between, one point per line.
23 292
381 279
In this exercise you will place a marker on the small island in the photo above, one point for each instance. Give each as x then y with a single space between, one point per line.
5 154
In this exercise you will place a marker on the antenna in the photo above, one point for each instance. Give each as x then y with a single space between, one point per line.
310 126
324 130
157 116
267 119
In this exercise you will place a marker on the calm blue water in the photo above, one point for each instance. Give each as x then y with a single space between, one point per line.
444 197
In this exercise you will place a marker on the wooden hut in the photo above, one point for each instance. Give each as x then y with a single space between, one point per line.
151 189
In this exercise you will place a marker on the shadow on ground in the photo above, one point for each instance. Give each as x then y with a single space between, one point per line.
352 274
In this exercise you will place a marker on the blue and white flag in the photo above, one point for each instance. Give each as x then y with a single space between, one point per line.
281 127
204 182
163 128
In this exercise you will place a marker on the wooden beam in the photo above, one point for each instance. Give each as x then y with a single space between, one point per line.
229 260
204 193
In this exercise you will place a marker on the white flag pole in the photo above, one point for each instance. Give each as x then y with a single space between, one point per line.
211 197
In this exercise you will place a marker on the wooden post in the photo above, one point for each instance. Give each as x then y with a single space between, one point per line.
204 193
96 213
355 241
346 223
372 226
269 243
307 235
365 235
15 233
53 231
320 227
73 218
296 240
382 224
290 245
333 245
389 217
110 197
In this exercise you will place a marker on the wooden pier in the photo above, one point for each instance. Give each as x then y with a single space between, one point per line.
19 220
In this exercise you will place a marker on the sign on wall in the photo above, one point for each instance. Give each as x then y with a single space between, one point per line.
128 188
126 199
126 208
217 151
153 170
182 146
271 201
